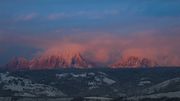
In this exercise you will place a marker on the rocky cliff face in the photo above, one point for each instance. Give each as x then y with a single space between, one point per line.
134 62
61 61
51 61
75 60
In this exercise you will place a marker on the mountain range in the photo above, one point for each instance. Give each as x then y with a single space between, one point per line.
134 62
75 60
50 61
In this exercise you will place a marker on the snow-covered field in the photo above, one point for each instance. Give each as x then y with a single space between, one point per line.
99 78
163 85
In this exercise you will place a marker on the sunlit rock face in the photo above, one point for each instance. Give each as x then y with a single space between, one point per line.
64 60
60 61
75 60
134 62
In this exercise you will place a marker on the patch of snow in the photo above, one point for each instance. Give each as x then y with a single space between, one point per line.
25 87
91 74
92 85
102 73
61 75
161 85
96 79
108 81
79 75
142 83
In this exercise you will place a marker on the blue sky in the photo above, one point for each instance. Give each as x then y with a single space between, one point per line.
36 17
61 18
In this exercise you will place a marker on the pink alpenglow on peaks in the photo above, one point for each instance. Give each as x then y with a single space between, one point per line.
62 60
134 62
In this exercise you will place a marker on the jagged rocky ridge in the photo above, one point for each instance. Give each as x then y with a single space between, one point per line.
133 61
51 61
75 60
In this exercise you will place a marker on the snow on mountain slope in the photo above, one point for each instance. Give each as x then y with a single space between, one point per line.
144 81
108 81
166 86
25 87
94 80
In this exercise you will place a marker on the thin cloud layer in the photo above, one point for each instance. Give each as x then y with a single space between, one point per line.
27 17
83 14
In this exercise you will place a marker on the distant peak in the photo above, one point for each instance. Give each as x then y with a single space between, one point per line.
133 61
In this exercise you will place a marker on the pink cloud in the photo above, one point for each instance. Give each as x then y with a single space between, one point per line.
87 14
